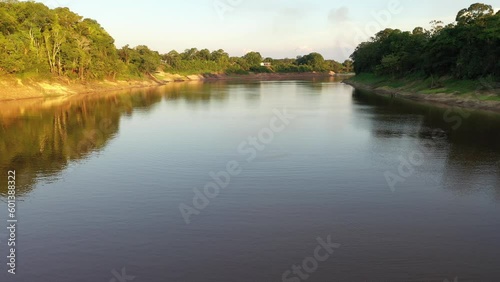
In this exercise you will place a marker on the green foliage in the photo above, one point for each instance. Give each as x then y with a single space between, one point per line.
348 66
468 49
421 84
260 69
140 59
474 13
194 61
36 39
253 59
236 70
314 60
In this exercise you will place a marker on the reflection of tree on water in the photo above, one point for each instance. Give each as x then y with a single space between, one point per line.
472 138
470 170
460 126
197 92
40 143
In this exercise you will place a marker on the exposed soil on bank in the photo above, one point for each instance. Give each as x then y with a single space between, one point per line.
464 101
16 89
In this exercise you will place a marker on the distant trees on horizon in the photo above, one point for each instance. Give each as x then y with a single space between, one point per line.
219 61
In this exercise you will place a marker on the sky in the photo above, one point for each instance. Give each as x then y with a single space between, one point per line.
275 28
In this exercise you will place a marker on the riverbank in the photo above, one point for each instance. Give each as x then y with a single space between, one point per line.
16 89
479 95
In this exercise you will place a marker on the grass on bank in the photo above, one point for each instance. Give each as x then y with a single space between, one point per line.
486 89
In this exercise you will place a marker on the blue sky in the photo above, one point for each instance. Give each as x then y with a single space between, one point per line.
276 28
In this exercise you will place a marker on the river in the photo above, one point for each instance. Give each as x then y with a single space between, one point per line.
307 180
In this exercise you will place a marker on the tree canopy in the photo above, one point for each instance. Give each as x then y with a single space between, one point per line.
467 49
38 41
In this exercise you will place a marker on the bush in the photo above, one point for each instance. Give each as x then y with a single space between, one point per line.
261 69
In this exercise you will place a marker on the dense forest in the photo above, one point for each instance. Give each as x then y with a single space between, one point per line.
466 49
36 41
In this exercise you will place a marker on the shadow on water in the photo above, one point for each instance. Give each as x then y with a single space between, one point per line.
471 138
41 138
476 129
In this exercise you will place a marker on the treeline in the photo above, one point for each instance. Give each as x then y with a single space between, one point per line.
466 49
38 41
192 60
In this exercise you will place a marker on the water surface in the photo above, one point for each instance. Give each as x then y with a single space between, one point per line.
101 178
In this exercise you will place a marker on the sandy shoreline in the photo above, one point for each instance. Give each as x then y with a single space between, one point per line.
16 89
10 90
437 99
